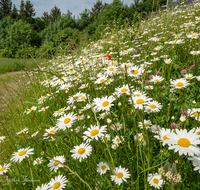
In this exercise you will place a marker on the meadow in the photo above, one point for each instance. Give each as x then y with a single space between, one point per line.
123 112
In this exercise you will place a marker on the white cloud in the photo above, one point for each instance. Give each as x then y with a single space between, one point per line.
74 6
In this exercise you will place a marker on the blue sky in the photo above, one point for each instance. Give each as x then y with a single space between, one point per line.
75 6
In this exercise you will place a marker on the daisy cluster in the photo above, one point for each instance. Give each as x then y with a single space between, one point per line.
129 94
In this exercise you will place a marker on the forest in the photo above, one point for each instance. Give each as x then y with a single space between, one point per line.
22 35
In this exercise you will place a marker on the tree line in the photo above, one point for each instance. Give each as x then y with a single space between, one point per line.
22 34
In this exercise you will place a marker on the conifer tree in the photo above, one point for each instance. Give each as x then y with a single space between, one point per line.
5 8
14 14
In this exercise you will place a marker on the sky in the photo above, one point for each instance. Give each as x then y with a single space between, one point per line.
74 6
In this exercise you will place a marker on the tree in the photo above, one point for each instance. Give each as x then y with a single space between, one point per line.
5 8
22 12
46 18
14 14
97 8
55 14
38 24
30 12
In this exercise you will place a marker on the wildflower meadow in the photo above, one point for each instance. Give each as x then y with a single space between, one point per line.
121 113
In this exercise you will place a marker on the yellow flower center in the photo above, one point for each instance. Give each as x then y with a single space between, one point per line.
124 90
22 153
102 80
165 137
195 52
117 126
198 132
140 137
118 140
120 174
43 98
108 80
75 97
195 114
134 72
81 151
67 120
103 167
38 161
152 106
106 103
155 180
56 185
189 77
2 169
56 163
111 69
59 111
65 87
104 115
83 97
138 95
79 117
94 132
194 35
148 87
140 101
31 109
179 84
184 142
156 80
51 132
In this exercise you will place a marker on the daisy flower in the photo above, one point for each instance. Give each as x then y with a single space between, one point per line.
59 112
155 129
106 138
50 131
149 87
189 76
31 109
163 135
193 36
116 126
87 106
55 165
184 142
42 187
94 132
195 52
66 121
120 175
198 78
37 161
34 134
118 140
135 71
122 90
21 154
103 115
139 137
155 180
22 131
58 183
153 106
73 98
197 131
1 138
196 163
101 80
114 146
110 70
4 168
82 97
147 124
102 168
156 79
179 83
104 103
43 109
81 152
140 101
194 112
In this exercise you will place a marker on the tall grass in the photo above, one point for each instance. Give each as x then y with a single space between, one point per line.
119 105
9 64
